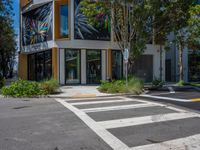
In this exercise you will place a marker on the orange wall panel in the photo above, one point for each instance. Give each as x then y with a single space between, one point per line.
24 2
55 63
57 16
23 66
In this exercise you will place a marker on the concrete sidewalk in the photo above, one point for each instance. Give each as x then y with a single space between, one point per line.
79 92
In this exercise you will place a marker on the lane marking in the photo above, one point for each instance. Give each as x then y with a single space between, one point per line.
166 98
190 143
195 99
145 120
101 102
100 109
164 93
110 139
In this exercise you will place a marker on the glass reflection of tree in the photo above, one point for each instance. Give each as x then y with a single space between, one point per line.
72 66
94 66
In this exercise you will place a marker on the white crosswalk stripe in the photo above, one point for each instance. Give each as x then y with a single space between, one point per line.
144 120
101 128
101 102
100 109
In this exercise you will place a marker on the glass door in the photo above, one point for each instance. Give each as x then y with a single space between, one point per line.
117 65
72 66
93 66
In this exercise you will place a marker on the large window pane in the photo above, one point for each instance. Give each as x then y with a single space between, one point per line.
64 30
194 67
117 69
37 25
40 66
48 64
31 67
93 66
72 58
84 29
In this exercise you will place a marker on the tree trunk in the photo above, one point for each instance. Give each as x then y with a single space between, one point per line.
181 74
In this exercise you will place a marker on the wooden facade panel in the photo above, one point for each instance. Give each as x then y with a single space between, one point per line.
23 66
24 3
55 63
57 5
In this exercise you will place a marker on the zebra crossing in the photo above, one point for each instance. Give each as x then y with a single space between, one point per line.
133 124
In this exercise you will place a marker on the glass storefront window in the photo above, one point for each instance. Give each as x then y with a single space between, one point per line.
72 61
93 66
40 66
48 64
117 65
64 29
31 67
194 67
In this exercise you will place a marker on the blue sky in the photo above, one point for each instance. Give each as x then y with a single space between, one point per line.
16 17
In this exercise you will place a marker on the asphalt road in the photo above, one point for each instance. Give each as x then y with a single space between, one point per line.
132 124
44 124
118 123
191 98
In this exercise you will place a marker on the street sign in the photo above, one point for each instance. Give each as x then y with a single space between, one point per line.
126 54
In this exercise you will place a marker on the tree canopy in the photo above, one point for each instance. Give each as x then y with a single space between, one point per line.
7 38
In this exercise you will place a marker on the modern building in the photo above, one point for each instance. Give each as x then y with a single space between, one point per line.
58 41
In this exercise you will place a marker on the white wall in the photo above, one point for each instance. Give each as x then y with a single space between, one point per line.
83 67
155 51
103 64
62 66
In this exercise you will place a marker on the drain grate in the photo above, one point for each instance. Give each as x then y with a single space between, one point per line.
21 107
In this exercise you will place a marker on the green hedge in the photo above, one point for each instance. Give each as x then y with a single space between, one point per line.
135 86
50 86
23 88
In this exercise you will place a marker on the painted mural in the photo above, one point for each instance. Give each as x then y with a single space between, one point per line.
87 31
37 25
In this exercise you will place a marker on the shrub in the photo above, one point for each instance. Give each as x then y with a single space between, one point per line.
135 86
22 88
183 83
2 81
50 86
157 83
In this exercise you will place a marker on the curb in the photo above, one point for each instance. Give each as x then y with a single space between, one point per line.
175 88
103 96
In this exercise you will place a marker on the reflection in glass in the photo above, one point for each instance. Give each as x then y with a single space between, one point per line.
40 66
93 66
194 67
48 64
72 59
117 69
31 67
64 30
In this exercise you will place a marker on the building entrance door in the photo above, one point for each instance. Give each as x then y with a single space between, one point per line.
93 66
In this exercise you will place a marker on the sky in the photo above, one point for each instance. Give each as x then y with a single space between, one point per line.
16 18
